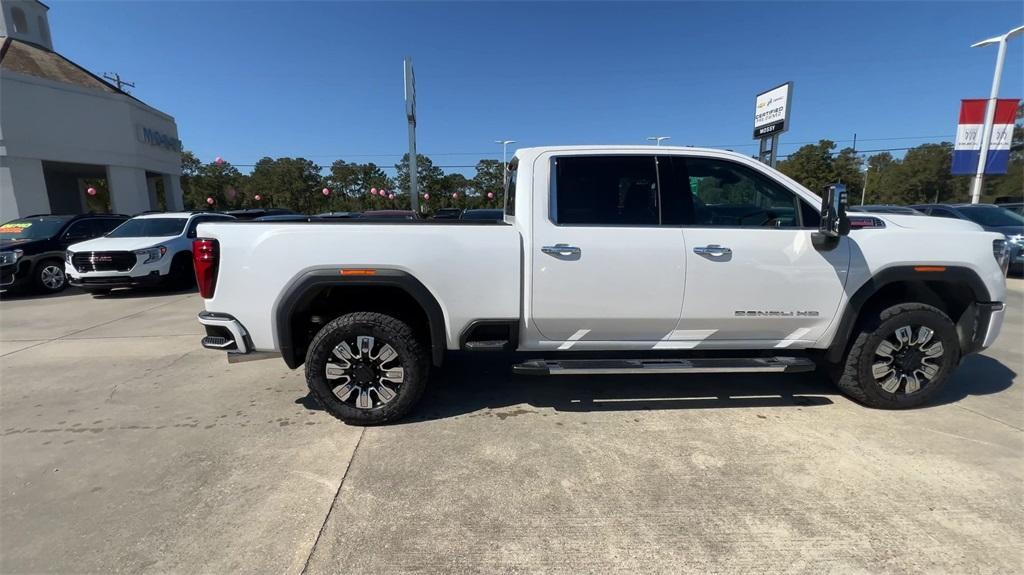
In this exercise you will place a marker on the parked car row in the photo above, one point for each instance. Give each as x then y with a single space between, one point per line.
99 252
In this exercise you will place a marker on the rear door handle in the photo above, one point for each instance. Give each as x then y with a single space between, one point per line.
561 250
714 250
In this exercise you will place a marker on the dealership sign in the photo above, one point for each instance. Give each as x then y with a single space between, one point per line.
158 139
771 111
969 133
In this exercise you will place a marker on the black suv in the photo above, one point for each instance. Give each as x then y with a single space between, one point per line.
32 248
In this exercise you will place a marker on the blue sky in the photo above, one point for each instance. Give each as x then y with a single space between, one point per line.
323 80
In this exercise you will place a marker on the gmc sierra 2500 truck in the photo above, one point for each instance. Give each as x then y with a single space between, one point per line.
654 259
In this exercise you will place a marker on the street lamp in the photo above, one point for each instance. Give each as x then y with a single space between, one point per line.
504 149
657 139
990 109
504 162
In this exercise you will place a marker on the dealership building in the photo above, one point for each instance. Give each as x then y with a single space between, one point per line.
70 141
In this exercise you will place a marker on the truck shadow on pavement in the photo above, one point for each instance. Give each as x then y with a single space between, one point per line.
469 384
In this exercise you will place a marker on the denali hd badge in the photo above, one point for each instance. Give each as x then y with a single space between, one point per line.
761 313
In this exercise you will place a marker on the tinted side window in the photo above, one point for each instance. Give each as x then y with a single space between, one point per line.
605 190
82 229
106 224
727 194
942 213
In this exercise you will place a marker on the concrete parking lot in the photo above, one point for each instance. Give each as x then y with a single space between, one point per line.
126 447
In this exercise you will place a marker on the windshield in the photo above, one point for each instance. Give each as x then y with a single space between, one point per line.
149 228
992 216
39 228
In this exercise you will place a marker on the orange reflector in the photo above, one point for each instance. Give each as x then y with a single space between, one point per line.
357 272
929 268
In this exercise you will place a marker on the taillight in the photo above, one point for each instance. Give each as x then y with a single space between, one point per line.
205 256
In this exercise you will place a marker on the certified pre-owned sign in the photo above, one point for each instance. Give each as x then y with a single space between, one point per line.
771 111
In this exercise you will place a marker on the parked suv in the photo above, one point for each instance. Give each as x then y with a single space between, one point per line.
147 250
32 248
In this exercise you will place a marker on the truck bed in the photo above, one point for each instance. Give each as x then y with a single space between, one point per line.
471 267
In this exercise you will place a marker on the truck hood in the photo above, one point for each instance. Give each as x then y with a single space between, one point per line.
118 244
929 223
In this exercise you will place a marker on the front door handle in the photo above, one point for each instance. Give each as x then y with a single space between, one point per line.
713 250
561 250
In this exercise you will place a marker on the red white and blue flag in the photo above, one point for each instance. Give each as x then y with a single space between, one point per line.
968 137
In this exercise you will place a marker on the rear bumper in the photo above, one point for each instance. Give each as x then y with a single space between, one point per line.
225 333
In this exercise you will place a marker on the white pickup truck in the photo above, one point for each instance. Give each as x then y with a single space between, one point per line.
652 259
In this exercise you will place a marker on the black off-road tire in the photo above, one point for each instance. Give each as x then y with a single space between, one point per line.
854 376
43 279
412 357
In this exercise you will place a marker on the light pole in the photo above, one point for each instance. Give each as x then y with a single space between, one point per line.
864 190
657 139
990 109
505 163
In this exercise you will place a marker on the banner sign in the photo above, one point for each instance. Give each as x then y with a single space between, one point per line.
771 111
969 132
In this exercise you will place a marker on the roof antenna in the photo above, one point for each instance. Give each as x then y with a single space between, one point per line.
116 78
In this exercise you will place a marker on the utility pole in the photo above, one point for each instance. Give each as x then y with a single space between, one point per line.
657 139
990 109
116 79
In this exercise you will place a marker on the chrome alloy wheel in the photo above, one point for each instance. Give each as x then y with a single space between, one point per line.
905 362
52 277
359 374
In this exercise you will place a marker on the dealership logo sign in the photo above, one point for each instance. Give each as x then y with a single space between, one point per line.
159 139
771 111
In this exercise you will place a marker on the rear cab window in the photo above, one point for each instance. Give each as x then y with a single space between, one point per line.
605 191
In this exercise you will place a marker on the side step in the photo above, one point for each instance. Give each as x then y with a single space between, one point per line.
217 342
653 366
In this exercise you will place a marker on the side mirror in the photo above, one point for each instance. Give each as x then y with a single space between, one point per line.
834 222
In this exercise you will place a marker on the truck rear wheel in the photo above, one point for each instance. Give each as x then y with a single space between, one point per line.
902 358
367 368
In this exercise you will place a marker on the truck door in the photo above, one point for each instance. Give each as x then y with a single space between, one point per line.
753 277
607 254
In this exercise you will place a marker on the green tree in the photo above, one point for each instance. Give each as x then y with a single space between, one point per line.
220 182
428 176
293 183
925 175
490 178
811 165
846 169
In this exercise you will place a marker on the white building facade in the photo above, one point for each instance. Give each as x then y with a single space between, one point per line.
62 126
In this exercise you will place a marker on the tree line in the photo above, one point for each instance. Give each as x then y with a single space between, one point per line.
922 175
300 184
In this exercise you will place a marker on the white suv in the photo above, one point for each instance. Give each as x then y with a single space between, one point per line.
147 250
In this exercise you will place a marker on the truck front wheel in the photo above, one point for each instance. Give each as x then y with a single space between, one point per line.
367 368
901 358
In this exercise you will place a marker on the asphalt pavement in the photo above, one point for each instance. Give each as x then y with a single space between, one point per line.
126 447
